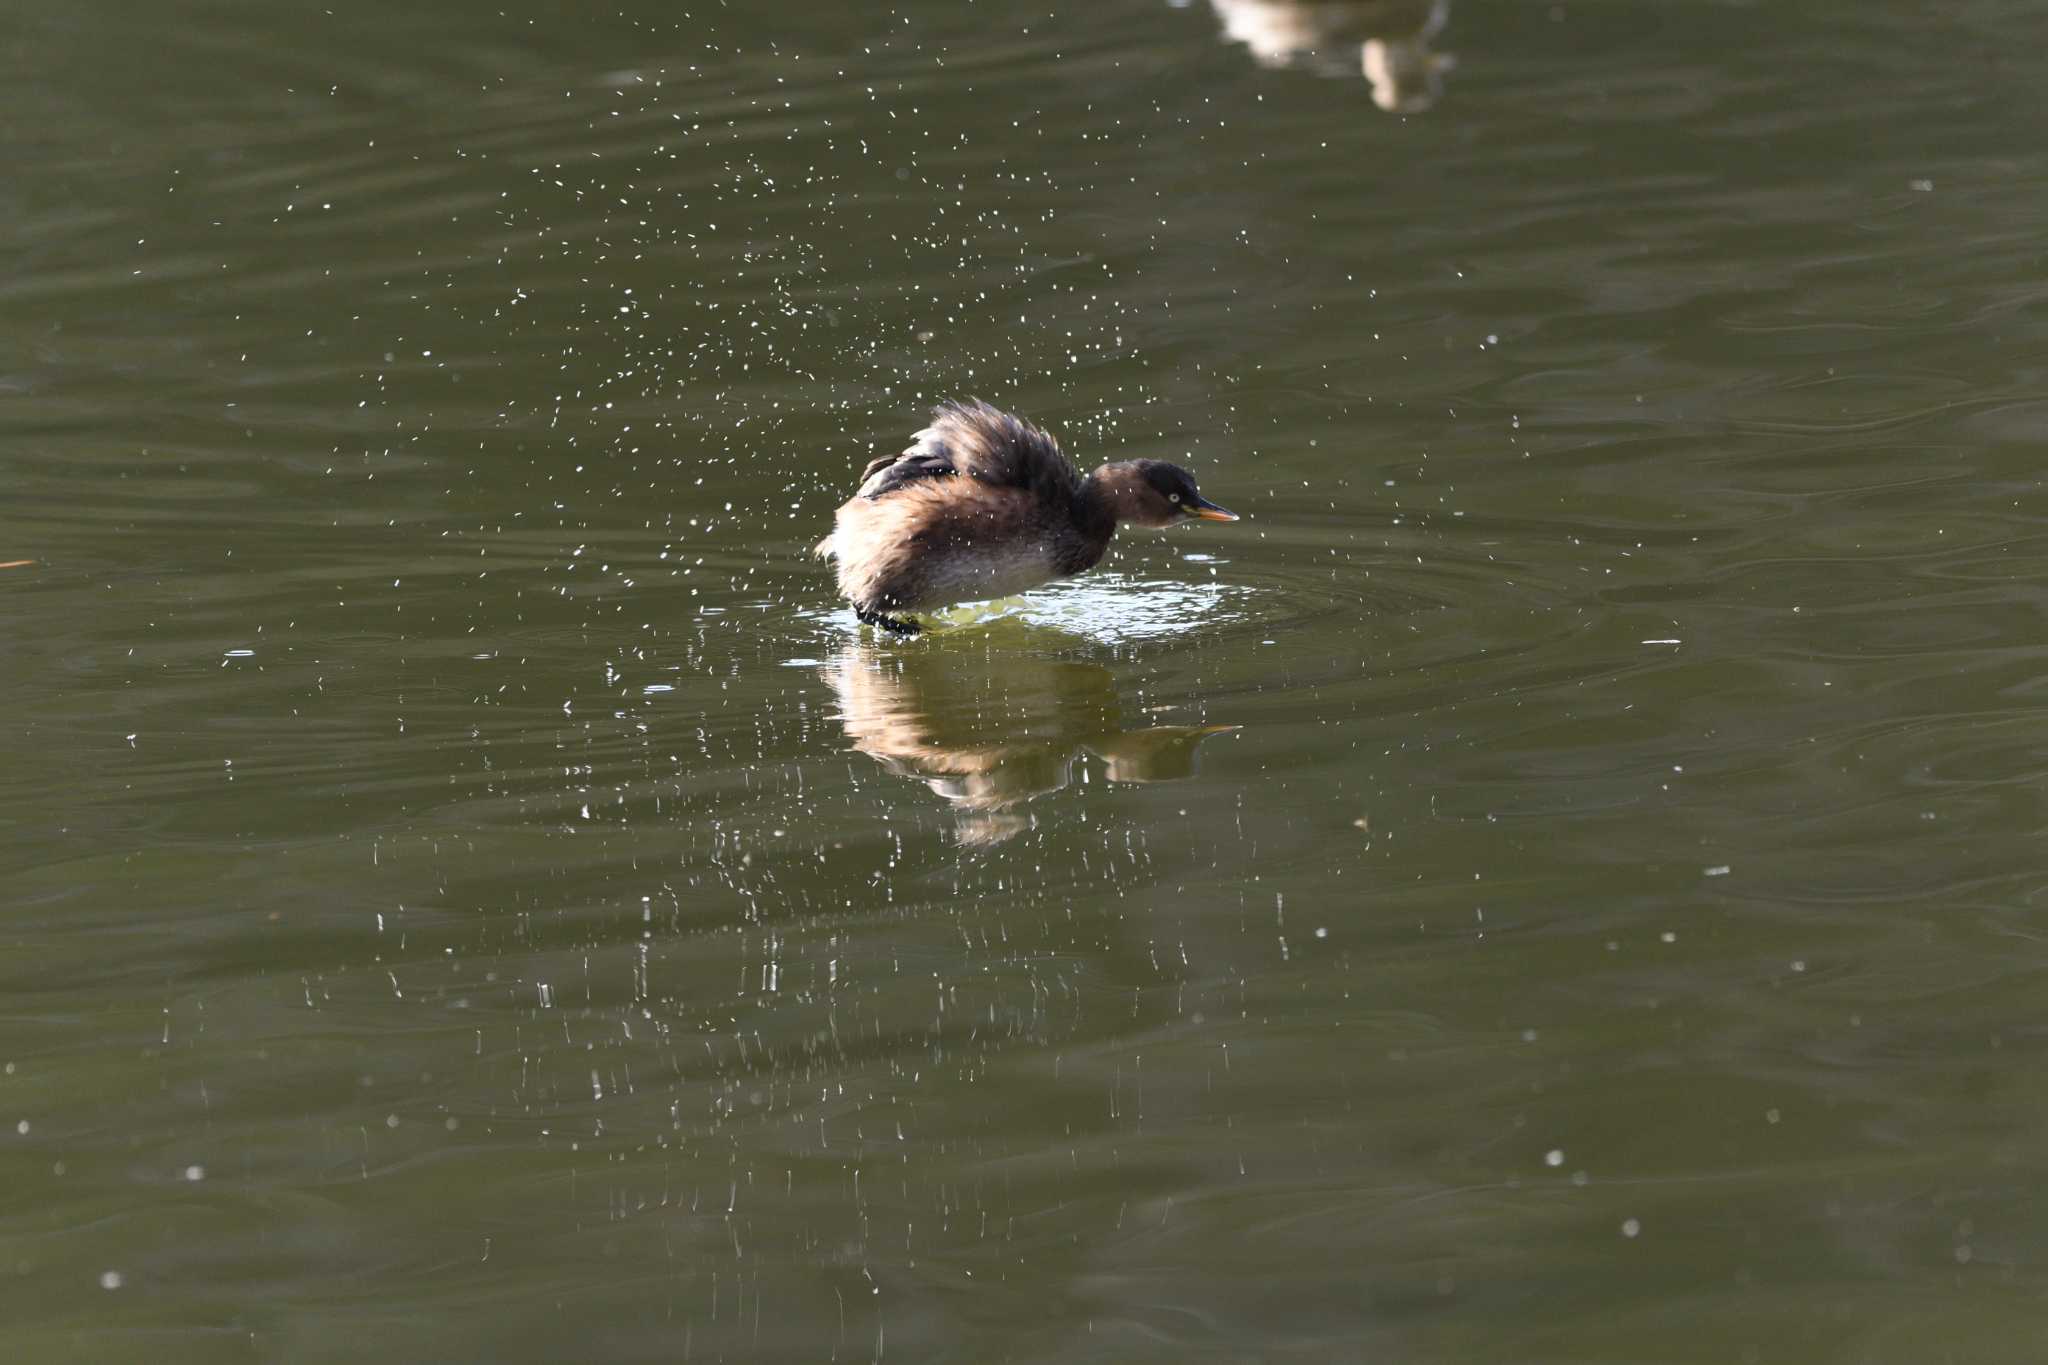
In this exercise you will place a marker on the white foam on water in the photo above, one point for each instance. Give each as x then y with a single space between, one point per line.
1110 608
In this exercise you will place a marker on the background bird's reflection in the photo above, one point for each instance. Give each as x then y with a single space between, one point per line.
1388 41
989 729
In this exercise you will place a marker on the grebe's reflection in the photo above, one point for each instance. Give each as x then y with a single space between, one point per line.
1388 40
989 730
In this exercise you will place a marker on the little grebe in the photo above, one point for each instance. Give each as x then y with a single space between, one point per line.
983 505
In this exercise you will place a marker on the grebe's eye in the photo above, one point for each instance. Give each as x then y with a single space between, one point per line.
1174 496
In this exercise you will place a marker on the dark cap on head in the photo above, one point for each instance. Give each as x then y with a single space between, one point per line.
1156 493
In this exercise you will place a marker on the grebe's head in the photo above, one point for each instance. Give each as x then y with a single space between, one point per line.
1155 493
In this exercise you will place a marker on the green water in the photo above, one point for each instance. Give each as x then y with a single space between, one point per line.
1561 880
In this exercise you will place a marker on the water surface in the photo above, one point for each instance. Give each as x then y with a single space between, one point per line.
1559 881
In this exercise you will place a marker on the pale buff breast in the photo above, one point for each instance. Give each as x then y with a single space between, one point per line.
977 576
936 544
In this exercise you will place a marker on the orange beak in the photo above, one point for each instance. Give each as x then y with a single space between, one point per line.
1209 511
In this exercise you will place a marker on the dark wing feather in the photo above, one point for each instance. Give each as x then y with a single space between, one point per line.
886 476
986 444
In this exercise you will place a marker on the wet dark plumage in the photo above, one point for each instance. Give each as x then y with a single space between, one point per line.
984 504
